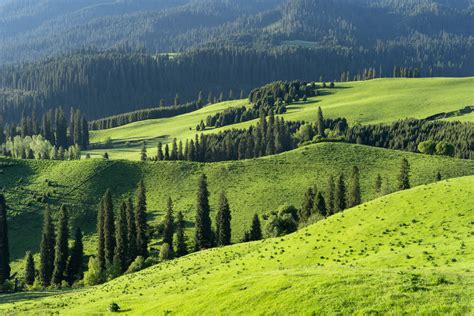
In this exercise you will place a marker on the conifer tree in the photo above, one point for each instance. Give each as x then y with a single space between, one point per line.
121 249
331 203
320 123
167 152
174 150
168 230
143 155
308 204
131 232
320 205
203 231
109 229
141 221
404 176
355 194
255 232
76 260
101 236
29 268
223 232
62 249
340 203
181 247
160 155
4 245
438 176
48 237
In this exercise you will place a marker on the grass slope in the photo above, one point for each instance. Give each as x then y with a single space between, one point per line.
409 252
366 102
252 186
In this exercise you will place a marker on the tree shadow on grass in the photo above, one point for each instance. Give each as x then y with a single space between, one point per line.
25 296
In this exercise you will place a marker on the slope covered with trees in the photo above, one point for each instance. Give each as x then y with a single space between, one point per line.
372 248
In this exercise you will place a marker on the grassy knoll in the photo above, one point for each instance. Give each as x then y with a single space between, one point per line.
408 252
366 102
253 186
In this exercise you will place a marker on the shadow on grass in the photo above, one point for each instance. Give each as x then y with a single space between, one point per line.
25 296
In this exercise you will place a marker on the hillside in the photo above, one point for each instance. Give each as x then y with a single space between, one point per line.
253 186
365 102
409 252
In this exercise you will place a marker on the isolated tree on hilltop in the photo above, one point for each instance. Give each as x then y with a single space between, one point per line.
4 246
76 260
181 247
29 269
404 176
141 221
203 230
168 230
223 218
355 194
48 237
62 249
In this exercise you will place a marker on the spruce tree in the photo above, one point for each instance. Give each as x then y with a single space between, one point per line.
109 229
4 245
48 237
355 194
131 232
223 233
168 229
331 202
29 268
121 249
143 155
160 156
174 150
203 231
181 247
320 205
62 249
438 176
76 260
404 176
320 123
308 204
255 232
340 203
101 236
141 221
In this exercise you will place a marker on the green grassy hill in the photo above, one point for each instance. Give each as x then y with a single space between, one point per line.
253 186
409 252
366 102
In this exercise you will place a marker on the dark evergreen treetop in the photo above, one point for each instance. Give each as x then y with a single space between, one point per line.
203 229
223 220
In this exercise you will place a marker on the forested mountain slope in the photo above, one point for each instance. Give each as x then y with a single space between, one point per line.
409 252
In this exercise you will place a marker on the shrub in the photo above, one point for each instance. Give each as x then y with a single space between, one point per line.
113 308
94 275
427 147
137 265
445 149
284 221
166 253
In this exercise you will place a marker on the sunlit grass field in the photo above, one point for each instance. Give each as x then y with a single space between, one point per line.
365 102
408 252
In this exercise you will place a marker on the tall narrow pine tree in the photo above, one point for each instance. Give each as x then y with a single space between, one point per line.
256 229
181 247
101 236
355 194
109 228
131 232
48 237
141 221
340 203
404 176
320 205
223 219
331 201
168 229
76 260
308 204
121 249
4 245
62 249
203 230
29 268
